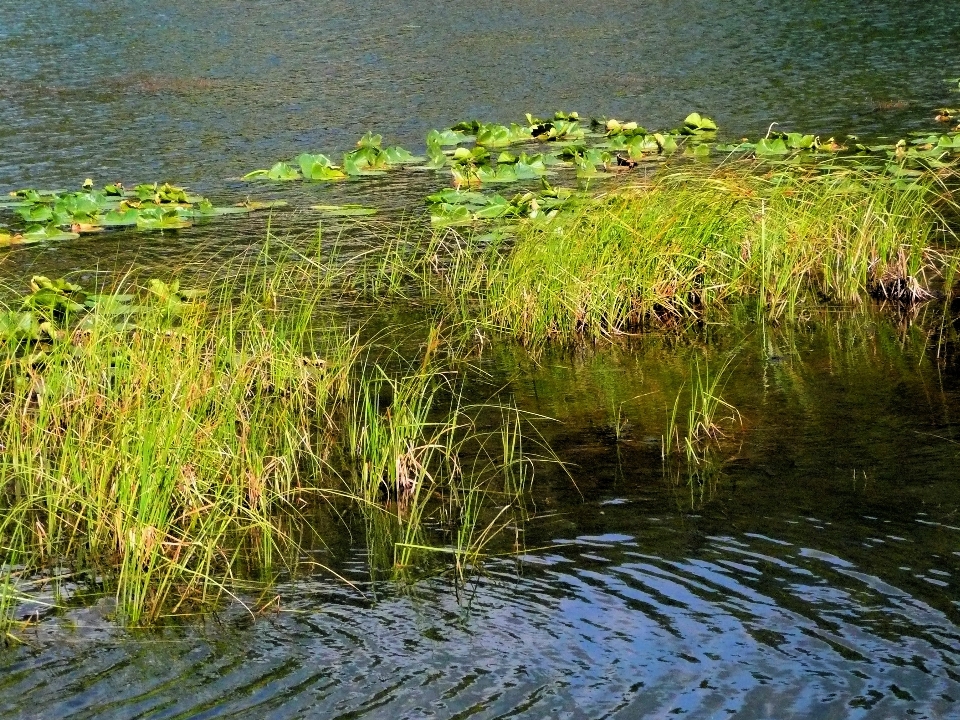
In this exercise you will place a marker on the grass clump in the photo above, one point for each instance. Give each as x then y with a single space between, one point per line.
151 444
687 243
162 445
439 480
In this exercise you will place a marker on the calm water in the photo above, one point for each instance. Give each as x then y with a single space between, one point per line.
813 575
814 572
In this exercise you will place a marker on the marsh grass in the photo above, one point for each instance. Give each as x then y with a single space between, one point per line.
164 443
440 479
157 446
685 245
693 450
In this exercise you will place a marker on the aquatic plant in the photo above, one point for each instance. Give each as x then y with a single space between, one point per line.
687 242
156 433
46 215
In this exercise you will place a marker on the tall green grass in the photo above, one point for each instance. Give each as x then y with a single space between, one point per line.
685 246
687 243
162 443
157 446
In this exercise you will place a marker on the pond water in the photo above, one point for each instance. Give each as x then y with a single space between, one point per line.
811 570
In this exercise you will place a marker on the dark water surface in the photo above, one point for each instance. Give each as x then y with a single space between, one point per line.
203 91
810 571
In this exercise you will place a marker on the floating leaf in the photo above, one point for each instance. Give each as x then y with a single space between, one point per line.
280 172
319 167
452 196
120 218
772 146
160 219
37 233
447 137
370 141
16 326
343 210
696 123
447 215
397 155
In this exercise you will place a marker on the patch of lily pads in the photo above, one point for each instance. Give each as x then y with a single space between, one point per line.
40 215
453 207
480 157
56 310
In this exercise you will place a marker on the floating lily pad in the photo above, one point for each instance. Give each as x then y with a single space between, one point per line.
343 210
447 137
697 123
38 233
319 167
771 146
280 172
16 326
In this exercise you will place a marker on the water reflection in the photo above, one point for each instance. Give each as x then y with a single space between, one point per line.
664 618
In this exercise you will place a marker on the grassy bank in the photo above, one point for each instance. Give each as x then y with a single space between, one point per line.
688 243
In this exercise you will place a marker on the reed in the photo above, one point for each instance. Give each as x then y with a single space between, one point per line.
688 243
685 246
153 448
163 441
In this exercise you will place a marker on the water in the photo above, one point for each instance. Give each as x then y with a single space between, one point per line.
809 571
202 92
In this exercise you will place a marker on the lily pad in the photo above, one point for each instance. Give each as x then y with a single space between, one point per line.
37 233
697 123
771 146
343 210
280 172
16 326
447 137
319 167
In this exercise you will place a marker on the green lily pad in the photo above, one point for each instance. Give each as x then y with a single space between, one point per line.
38 233
120 218
280 172
447 137
160 219
771 146
16 326
343 210
451 196
697 123
397 155
446 215
319 167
